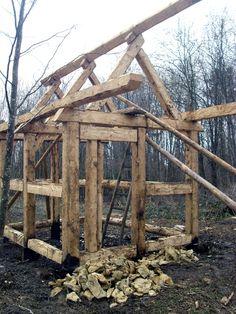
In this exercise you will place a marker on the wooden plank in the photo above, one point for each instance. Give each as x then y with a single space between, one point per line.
14 235
110 88
176 241
70 182
119 119
138 192
210 112
215 191
158 86
162 15
29 175
100 171
162 188
91 198
46 250
108 134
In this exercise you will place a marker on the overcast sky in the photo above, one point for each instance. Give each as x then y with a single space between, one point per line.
95 22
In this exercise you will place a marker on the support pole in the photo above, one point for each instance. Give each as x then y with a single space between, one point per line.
70 191
191 200
91 198
28 199
55 201
138 193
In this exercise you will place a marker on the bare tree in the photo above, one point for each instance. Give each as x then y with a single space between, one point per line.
11 89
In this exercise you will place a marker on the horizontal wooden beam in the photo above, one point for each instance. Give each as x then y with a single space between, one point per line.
120 119
45 249
122 84
38 224
162 188
210 112
48 188
164 14
88 132
175 240
14 235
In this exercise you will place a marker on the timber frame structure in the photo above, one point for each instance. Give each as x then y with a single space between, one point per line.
76 116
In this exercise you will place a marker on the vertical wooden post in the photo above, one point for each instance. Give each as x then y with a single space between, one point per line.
55 201
91 197
191 200
28 199
2 160
138 192
100 192
70 192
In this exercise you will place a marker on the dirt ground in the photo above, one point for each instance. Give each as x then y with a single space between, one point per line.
198 287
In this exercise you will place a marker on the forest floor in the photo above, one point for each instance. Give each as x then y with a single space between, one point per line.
198 286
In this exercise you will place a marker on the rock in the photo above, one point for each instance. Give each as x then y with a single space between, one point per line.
94 286
109 292
55 291
143 271
88 295
142 285
117 275
72 297
73 285
95 267
166 279
152 293
114 304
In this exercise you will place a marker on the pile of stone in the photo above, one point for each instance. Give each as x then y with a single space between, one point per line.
118 278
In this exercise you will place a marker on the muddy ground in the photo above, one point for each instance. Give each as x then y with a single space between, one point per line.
199 287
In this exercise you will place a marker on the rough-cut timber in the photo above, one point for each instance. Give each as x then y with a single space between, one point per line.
210 112
110 88
70 174
167 12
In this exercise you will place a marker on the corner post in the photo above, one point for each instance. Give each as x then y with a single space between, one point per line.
138 192
191 200
70 193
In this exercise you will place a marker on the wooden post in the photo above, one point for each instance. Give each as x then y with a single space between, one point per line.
191 200
100 191
28 199
91 198
2 160
55 201
138 192
70 192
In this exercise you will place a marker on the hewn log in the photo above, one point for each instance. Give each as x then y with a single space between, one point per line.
46 250
210 112
70 182
176 241
14 235
188 141
162 15
28 198
191 200
138 192
91 199
110 88
119 119
158 86
220 195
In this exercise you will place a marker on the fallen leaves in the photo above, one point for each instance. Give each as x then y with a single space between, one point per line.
118 278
